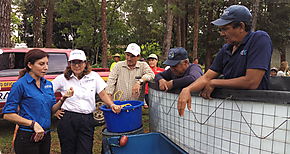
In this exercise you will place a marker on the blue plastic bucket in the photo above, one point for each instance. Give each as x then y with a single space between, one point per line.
129 119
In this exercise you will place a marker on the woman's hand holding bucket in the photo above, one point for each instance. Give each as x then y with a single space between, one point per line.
116 108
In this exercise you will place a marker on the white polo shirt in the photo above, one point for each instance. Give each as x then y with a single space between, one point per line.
85 89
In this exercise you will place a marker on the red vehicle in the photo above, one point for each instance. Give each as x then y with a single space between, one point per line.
12 61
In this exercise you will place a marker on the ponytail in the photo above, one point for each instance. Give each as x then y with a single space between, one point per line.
22 73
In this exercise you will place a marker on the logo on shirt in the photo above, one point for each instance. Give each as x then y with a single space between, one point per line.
89 80
243 52
47 86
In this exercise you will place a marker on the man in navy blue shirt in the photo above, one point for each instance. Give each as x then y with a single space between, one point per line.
244 60
181 72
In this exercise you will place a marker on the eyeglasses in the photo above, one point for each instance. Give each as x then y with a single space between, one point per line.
75 62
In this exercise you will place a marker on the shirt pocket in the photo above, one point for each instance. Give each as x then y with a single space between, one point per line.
50 99
31 96
34 100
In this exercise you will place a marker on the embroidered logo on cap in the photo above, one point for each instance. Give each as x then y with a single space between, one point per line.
226 12
171 55
76 53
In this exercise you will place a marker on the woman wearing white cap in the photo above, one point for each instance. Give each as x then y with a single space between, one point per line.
76 124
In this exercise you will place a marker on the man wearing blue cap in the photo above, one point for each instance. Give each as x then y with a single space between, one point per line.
244 60
181 72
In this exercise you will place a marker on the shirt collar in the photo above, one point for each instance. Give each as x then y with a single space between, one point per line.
246 38
244 41
85 76
30 79
136 66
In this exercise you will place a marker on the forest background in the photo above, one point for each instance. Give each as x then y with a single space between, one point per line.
104 27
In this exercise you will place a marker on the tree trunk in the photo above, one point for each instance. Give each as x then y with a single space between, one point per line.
183 32
208 55
104 35
184 26
282 51
95 42
255 14
178 31
5 20
37 30
196 29
49 24
168 34
183 5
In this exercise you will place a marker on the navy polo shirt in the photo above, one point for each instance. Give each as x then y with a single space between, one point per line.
35 103
192 73
254 53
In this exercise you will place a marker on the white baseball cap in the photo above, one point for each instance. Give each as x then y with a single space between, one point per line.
134 49
77 55
152 56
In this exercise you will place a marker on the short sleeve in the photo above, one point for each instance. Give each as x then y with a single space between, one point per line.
57 82
100 83
260 51
14 98
51 93
217 64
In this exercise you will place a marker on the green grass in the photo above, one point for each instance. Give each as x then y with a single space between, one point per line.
7 128
6 133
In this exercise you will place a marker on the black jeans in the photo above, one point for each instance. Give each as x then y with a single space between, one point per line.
24 145
76 133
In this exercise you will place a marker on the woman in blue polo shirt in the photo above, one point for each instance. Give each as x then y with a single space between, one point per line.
36 101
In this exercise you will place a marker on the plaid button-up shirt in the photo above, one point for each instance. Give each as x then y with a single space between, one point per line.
122 78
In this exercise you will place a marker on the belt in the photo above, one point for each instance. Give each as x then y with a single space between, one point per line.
32 131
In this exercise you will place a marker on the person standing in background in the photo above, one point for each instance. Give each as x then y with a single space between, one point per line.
153 62
116 58
273 71
284 69
195 61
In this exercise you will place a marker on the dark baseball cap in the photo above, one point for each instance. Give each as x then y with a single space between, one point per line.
233 13
175 55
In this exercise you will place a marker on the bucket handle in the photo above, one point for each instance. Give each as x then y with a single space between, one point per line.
120 95
127 107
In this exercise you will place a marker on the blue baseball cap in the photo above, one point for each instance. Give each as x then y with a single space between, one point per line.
233 13
175 55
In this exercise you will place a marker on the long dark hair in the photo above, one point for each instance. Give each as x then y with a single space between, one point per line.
68 72
31 57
